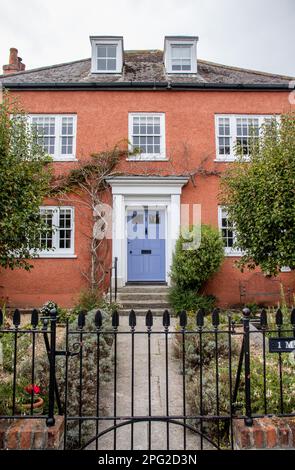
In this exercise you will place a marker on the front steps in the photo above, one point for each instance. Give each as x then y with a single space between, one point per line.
142 298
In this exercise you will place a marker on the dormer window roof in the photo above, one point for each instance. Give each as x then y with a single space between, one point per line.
107 54
180 54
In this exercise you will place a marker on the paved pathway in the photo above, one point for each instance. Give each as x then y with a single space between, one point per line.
158 392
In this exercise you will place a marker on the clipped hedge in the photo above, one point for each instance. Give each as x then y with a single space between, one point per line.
192 267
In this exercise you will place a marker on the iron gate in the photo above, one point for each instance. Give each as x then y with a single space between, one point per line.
153 382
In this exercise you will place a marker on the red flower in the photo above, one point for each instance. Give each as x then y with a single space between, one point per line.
32 389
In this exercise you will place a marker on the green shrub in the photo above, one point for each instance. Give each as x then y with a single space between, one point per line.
63 314
7 349
88 299
272 384
191 268
189 300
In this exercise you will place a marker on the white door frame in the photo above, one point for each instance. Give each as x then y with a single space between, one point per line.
133 191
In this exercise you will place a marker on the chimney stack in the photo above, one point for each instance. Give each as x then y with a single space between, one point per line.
15 63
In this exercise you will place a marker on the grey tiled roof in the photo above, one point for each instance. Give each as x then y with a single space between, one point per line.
143 66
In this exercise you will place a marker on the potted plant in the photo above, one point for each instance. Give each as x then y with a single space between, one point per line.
30 399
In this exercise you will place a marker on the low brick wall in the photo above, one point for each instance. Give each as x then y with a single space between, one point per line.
24 434
266 433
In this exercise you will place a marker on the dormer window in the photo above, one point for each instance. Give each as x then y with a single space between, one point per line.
107 54
181 54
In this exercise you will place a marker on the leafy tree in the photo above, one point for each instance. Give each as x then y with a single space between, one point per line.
191 268
24 181
260 198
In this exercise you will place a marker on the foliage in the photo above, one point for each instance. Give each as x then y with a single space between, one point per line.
189 300
24 181
7 349
208 391
272 384
191 268
89 299
260 198
62 313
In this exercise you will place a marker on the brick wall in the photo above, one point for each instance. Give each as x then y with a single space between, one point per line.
26 434
266 433
102 122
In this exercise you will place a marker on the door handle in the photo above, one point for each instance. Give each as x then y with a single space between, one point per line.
130 252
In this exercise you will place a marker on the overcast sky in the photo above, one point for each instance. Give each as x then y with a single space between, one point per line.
258 34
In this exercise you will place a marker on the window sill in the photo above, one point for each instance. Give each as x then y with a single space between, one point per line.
230 160
233 254
146 159
55 255
225 160
69 159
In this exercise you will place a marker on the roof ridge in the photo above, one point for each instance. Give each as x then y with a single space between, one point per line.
242 69
38 69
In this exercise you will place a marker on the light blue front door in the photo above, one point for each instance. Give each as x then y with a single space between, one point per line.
146 245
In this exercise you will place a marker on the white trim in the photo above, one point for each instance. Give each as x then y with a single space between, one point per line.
100 40
229 252
190 42
58 156
54 255
148 156
233 133
59 252
139 191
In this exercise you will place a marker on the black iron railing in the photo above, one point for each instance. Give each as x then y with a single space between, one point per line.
205 347
114 281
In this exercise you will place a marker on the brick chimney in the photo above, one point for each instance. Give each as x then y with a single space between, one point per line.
15 63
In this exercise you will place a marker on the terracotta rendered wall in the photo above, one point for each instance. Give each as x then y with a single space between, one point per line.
102 121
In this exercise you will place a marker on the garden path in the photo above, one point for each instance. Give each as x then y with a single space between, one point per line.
141 403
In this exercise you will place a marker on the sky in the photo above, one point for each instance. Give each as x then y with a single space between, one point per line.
255 34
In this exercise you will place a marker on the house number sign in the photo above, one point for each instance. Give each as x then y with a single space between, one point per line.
277 345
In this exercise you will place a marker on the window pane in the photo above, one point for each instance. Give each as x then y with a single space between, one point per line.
176 67
111 64
101 64
146 133
101 51
46 238
44 126
111 51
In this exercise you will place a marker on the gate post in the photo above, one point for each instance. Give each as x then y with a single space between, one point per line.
246 325
50 421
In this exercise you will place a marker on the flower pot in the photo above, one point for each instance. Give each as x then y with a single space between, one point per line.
37 406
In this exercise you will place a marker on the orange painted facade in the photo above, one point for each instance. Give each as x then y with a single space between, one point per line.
102 121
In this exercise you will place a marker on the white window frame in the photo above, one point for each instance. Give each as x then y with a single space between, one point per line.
57 252
191 43
100 41
228 251
233 132
58 156
147 156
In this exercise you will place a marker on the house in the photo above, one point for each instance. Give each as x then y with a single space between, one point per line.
185 114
